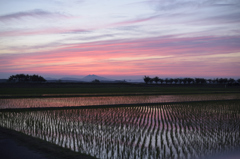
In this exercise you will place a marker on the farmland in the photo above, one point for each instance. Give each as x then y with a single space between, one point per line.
95 89
127 121
195 130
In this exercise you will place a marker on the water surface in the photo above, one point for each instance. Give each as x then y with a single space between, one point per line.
108 100
193 130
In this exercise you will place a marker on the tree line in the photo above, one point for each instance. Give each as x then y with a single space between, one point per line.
26 78
157 80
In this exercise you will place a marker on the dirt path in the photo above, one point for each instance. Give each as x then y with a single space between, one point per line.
15 145
12 149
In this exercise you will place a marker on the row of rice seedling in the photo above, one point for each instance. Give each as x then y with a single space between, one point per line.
185 130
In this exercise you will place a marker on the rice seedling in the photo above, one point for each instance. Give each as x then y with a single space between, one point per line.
184 130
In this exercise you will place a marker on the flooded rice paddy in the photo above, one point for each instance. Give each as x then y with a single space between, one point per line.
184 130
108 100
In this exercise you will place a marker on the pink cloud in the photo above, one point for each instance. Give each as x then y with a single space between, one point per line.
153 56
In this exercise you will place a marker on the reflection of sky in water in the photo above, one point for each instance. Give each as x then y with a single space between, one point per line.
107 100
167 131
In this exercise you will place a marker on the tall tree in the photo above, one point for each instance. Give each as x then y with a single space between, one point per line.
190 80
175 80
197 80
161 80
166 80
26 78
231 81
238 80
146 79
156 79
185 80
210 81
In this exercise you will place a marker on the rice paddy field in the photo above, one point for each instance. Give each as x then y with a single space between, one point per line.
121 121
108 100
153 126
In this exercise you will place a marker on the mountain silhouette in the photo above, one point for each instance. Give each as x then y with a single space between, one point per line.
70 79
90 78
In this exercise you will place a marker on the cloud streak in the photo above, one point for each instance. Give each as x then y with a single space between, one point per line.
159 56
43 31
162 5
38 13
136 20
155 37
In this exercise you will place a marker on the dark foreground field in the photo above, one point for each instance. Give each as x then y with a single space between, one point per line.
16 145
103 89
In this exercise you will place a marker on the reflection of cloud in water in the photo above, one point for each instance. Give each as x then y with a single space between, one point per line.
107 100
161 131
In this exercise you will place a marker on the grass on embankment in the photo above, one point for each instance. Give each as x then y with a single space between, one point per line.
110 89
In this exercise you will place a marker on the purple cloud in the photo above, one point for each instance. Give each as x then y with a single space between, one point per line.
137 20
44 31
33 14
161 5
219 19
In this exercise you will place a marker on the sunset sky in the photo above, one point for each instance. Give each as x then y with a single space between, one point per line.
120 38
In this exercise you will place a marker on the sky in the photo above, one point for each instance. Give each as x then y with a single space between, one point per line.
120 38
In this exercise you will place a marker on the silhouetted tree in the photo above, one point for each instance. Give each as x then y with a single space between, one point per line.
166 80
210 81
180 80
185 80
156 79
176 80
238 80
151 81
96 81
200 80
190 80
170 80
26 78
146 79
220 81
12 78
223 80
20 77
161 80
231 81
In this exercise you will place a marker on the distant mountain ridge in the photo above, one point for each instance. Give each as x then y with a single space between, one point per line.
70 79
50 78
88 78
